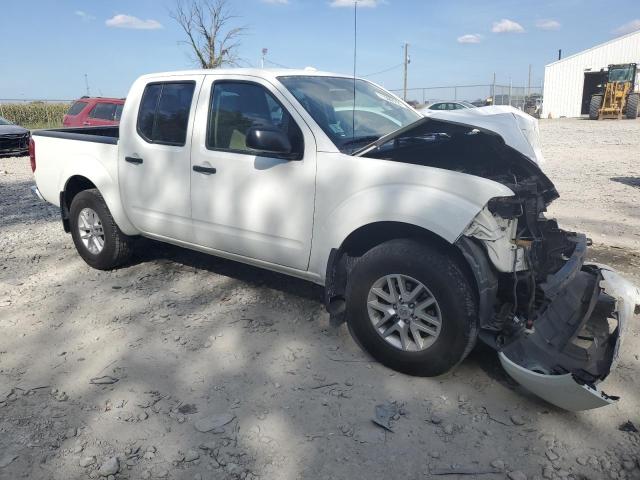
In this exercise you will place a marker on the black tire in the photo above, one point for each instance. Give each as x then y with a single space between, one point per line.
632 106
594 107
117 246
442 275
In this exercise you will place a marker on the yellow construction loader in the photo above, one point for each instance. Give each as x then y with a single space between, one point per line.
618 97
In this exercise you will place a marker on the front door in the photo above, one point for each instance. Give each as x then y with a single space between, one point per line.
246 203
154 166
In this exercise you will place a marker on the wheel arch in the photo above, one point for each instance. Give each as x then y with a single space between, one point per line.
363 239
93 175
73 186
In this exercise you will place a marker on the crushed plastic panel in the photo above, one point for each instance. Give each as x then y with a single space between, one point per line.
563 390
560 390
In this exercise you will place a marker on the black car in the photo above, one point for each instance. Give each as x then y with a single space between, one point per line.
14 140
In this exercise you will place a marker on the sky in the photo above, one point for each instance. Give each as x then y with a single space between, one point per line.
49 45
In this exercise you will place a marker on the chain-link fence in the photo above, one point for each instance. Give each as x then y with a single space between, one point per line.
493 94
34 114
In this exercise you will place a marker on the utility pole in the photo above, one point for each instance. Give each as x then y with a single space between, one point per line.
529 84
264 54
406 69
86 82
493 89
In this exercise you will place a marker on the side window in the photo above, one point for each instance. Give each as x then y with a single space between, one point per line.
437 106
147 112
76 108
103 111
164 112
237 106
118 114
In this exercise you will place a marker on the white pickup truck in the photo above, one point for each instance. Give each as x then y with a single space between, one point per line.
426 233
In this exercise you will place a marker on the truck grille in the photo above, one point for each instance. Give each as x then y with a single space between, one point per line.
14 142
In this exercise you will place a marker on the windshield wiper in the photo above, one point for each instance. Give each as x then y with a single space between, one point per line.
368 139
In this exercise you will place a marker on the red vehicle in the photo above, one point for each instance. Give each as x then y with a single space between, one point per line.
94 111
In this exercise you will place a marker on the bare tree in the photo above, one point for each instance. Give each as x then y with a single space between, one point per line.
212 39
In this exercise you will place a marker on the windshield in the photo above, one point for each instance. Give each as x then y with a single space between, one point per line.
4 121
621 74
330 102
468 104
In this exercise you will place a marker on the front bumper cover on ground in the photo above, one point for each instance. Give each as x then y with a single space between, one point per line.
576 341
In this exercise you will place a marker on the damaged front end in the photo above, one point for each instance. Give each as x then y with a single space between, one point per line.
556 321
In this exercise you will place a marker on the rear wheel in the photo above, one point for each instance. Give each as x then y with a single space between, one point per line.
412 308
594 107
95 234
632 106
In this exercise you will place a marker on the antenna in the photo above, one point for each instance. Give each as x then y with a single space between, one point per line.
86 82
355 58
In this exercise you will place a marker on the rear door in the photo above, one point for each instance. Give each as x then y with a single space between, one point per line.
154 159
256 206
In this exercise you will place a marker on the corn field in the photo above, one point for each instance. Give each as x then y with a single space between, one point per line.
35 114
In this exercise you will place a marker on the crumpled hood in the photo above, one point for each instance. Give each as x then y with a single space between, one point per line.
518 129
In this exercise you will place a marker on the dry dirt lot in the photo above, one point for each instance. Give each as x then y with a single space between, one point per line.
184 366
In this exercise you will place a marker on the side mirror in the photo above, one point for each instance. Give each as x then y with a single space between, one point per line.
268 140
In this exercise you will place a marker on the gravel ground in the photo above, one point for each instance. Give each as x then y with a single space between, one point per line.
185 366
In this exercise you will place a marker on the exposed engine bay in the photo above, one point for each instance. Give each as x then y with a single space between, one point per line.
556 321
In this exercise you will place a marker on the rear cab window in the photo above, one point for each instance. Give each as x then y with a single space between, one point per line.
163 117
76 108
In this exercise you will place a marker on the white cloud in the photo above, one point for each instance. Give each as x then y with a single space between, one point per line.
548 24
470 38
84 15
276 2
507 26
129 21
361 3
632 26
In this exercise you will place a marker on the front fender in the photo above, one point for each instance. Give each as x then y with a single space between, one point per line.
440 201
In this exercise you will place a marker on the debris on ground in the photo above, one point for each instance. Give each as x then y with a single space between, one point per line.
628 426
385 413
213 422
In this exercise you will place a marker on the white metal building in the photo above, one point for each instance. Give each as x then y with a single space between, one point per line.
570 82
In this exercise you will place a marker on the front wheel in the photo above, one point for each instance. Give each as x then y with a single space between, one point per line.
95 234
632 106
412 307
594 107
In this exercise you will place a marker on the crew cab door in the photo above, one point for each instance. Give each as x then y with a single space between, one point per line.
154 167
243 202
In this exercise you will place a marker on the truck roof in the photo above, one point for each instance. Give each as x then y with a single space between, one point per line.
269 73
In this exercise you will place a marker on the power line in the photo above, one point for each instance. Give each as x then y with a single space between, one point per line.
276 64
383 71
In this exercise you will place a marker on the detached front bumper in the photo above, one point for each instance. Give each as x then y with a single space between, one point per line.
575 342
